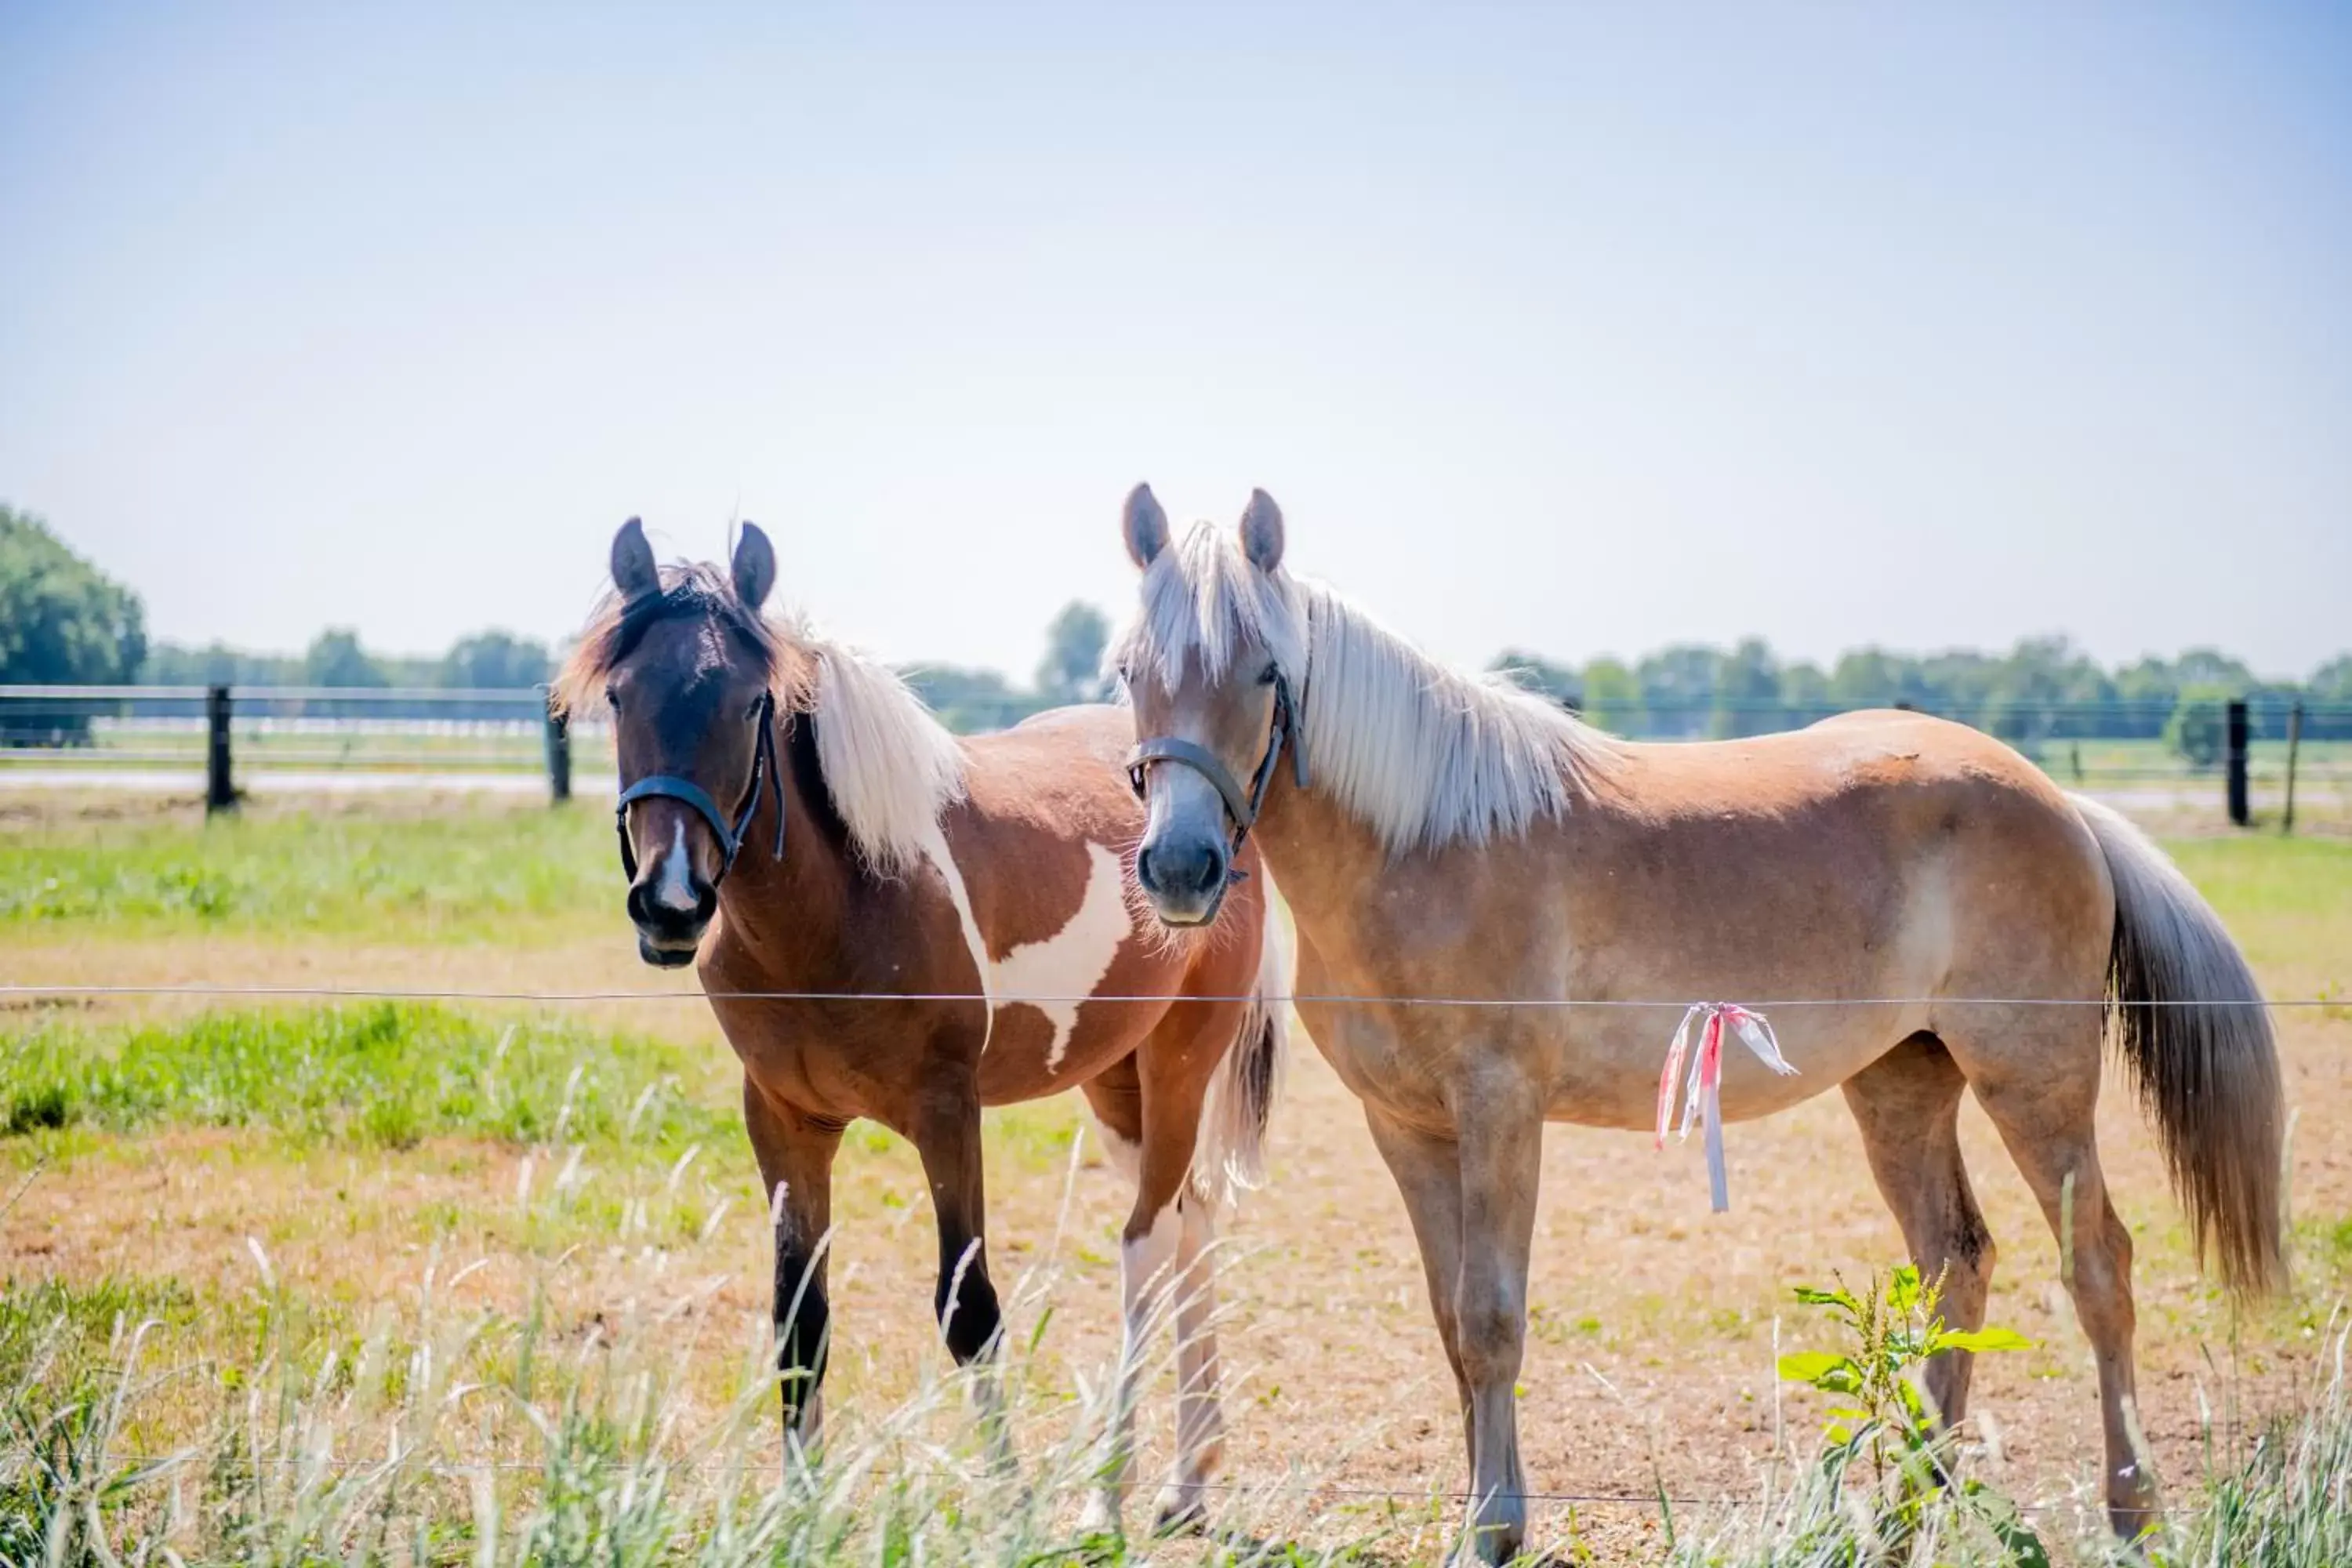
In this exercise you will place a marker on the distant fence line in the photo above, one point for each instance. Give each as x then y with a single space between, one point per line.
220 732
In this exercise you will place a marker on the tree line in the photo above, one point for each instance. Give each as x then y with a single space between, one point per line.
2044 690
62 621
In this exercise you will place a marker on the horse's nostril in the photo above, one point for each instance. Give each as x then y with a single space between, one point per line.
1215 873
669 908
1181 871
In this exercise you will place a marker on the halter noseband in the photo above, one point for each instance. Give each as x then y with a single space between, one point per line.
669 786
1242 808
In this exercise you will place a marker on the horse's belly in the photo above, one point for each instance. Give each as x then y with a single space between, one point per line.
1610 1075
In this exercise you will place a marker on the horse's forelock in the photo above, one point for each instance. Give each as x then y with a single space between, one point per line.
687 590
1203 600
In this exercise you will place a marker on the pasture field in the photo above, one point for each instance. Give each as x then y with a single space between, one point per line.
502 1266
2142 776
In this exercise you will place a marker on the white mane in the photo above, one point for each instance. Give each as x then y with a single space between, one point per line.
1423 754
890 767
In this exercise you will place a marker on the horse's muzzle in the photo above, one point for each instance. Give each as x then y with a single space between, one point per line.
1185 881
670 927
665 957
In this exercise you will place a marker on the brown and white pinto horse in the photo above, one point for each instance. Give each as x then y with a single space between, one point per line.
1972 927
793 819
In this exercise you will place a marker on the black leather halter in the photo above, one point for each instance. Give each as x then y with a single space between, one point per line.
669 786
1242 808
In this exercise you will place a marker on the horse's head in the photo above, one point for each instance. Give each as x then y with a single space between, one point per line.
691 673
1213 668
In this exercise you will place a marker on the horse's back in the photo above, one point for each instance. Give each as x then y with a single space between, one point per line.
1888 760
1058 773
1873 834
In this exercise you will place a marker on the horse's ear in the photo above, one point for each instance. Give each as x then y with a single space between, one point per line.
633 572
1144 525
755 566
1261 531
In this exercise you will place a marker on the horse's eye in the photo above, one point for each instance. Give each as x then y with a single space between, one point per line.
1267 675
612 699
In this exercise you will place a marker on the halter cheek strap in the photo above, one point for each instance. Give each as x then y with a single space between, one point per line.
765 767
1242 808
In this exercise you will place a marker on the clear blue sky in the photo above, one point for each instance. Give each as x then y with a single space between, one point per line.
1585 328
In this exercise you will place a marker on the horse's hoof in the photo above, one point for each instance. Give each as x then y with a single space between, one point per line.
1486 1549
1101 1517
1178 1512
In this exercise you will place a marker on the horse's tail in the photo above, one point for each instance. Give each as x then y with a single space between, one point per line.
2185 1011
1231 1153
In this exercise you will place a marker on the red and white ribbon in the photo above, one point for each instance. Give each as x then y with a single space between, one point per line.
1703 1092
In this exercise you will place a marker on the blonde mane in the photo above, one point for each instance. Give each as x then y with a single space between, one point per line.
890 768
1423 754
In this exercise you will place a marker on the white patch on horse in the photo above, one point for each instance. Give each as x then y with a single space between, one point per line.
1125 1155
674 885
934 848
1056 972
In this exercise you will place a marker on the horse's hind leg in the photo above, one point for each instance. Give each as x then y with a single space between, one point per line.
1907 1104
2041 1088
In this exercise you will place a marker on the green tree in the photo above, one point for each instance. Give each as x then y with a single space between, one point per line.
1868 677
217 663
2211 667
336 658
1612 697
1747 691
1560 682
1678 688
969 700
2198 726
1072 669
2332 682
494 659
62 621
2146 691
1804 695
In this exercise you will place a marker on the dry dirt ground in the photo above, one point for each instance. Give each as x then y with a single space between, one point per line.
1654 1324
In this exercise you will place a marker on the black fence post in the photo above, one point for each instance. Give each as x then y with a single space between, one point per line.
559 758
220 790
2240 813
2294 745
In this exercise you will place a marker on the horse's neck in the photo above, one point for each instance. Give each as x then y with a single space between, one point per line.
1324 860
788 914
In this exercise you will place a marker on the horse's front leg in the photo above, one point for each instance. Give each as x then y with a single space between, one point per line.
1156 1272
946 1135
1500 1121
795 1152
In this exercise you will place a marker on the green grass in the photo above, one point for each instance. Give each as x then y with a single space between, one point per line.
531 876
384 1074
2266 874
515 876
2288 902
143 1424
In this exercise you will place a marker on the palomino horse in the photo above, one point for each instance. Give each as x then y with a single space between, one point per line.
906 927
1443 836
